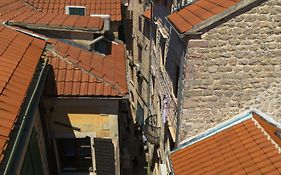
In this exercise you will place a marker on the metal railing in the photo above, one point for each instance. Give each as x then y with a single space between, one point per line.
151 130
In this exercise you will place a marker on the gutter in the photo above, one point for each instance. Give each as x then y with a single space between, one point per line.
5 23
179 34
182 35
24 131
218 128
93 97
56 28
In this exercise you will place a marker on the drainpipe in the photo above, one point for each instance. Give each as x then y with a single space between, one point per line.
30 109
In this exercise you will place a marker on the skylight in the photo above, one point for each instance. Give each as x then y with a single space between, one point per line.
75 10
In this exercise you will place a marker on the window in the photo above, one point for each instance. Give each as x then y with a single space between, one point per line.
140 115
154 33
176 81
146 29
75 10
162 46
140 85
152 87
75 154
132 73
140 24
139 53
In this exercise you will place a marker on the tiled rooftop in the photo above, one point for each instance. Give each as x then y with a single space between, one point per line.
79 72
19 56
197 12
247 147
16 12
110 7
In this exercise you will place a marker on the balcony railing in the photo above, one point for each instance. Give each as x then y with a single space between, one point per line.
151 130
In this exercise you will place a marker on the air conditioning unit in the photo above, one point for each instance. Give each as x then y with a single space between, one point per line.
106 19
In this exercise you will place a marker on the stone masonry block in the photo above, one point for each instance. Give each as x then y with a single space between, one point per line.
198 43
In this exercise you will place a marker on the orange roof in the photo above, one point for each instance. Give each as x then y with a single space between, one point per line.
197 12
16 12
78 72
147 14
19 56
110 7
246 146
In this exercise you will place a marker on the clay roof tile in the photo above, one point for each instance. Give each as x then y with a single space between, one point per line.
245 147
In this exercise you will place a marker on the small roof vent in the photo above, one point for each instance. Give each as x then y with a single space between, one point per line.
278 134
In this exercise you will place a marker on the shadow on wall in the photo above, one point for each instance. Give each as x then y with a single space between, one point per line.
60 150
50 88
132 152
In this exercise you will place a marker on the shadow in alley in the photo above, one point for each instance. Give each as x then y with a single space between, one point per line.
131 143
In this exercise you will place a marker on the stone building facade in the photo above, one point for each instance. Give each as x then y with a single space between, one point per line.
234 66
158 65
138 70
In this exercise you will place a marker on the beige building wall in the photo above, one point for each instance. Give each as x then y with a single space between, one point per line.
79 118
234 67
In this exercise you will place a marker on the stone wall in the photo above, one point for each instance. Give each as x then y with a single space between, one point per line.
236 65
140 44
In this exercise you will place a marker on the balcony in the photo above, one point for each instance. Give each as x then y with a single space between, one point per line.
151 130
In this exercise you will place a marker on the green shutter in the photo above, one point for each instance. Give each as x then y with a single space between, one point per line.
140 115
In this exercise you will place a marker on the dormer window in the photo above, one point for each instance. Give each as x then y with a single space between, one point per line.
75 10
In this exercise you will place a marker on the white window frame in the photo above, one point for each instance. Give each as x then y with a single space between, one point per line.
67 9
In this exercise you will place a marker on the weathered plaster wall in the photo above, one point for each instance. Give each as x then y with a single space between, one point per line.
235 66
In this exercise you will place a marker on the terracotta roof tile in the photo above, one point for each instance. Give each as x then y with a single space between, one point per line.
16 12
19 55
88 73
242 148
197 12
110 7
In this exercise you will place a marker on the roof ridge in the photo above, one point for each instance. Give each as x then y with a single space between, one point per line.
266 134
